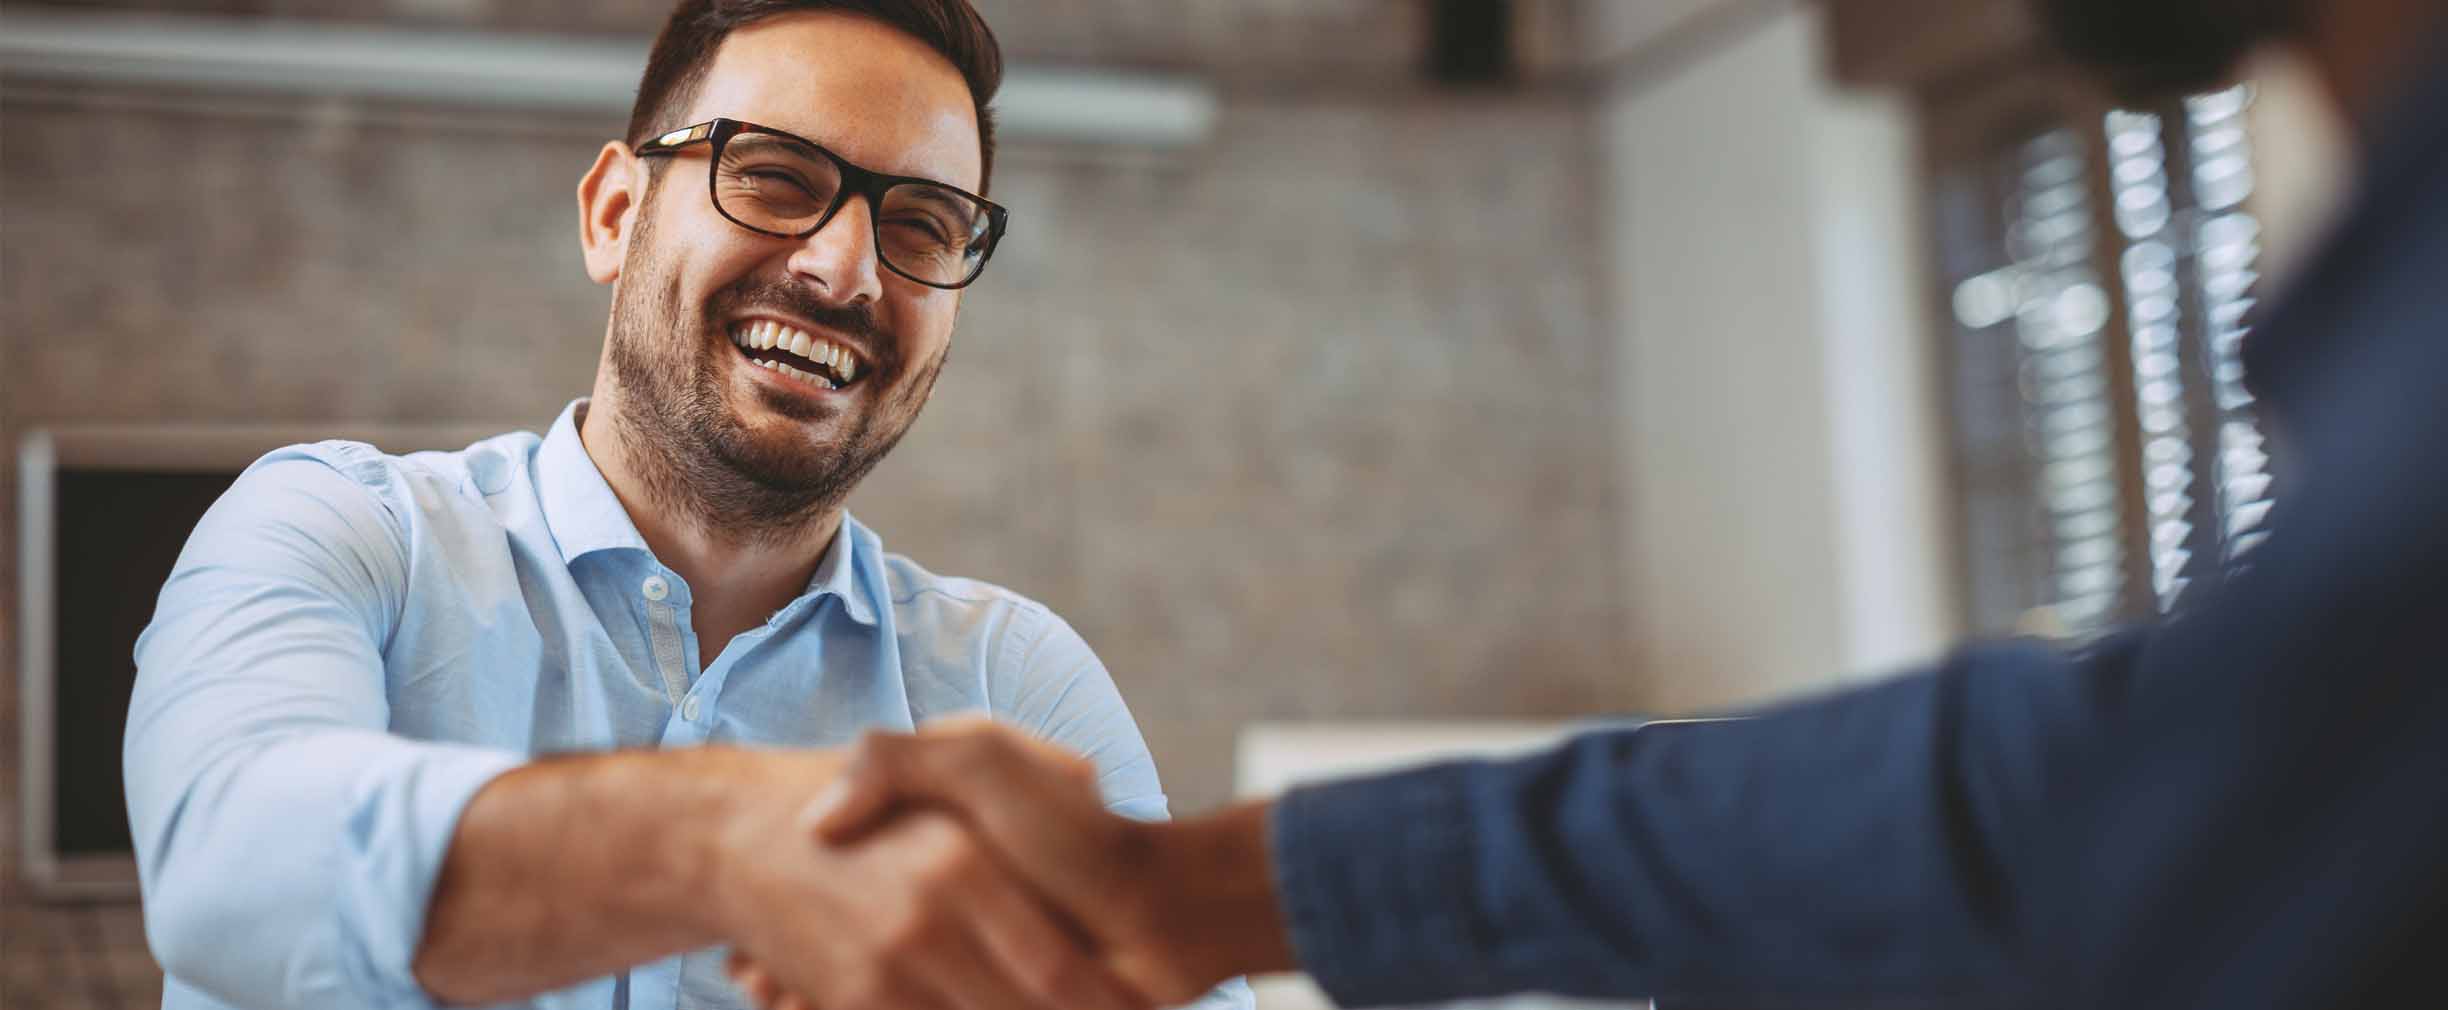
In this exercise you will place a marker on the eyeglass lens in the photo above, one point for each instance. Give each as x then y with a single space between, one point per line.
932 233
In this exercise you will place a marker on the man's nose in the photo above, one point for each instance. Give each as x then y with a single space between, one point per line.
841 256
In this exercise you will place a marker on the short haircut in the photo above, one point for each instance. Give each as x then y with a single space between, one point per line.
684 50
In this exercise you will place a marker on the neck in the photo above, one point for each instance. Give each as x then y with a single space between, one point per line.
2366 51
720 564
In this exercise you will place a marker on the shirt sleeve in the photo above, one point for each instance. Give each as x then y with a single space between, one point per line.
1060 691
287 844
1855 846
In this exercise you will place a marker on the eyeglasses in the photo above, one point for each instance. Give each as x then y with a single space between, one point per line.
774 183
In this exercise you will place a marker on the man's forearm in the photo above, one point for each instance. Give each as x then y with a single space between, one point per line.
575 867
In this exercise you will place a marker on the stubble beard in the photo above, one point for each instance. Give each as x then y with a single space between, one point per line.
692 453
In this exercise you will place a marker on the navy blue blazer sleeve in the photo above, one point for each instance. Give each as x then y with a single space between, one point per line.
2243 806
1858 844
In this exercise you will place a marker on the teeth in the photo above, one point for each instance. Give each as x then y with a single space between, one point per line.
768 335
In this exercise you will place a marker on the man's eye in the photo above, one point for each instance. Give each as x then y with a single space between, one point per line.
779 176
926 226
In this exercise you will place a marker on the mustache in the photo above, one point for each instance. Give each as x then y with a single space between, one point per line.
856 321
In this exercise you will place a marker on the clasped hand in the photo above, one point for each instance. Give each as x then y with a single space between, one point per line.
987 874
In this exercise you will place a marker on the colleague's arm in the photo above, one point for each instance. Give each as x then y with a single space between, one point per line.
1870 844
1879 844
291 849
2239 807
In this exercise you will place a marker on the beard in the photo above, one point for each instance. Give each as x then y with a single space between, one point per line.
2156 49
694 453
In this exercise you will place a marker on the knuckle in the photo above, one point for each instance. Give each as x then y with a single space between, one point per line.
875 745
1057 979
953 867
905 934
863 990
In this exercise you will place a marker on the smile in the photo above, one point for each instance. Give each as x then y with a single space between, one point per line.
796 353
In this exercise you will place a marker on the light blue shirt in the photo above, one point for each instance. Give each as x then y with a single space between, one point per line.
353 643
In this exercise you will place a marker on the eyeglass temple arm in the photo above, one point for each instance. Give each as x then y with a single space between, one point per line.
676 139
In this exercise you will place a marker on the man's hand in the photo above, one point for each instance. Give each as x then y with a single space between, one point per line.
1173 908
576 866
916 915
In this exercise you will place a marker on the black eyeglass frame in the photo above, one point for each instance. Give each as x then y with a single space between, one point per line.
855 181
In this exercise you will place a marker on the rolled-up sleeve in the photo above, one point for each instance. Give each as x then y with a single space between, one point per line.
287 843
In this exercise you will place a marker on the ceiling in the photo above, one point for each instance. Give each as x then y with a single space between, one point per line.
1236 42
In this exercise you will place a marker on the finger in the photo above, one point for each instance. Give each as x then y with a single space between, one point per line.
859 795
1044 952
1028 798
966 976
753 983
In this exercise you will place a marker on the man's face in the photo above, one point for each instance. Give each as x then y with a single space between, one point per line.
760 447
2153 48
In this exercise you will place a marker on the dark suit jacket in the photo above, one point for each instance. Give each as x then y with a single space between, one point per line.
2242 807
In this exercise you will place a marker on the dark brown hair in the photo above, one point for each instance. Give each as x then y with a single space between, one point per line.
685 49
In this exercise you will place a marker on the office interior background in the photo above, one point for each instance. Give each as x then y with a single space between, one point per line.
1361 377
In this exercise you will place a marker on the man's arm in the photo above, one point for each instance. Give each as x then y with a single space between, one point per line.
576 867
286 841
291 849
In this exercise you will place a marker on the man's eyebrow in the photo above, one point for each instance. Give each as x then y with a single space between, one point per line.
936 193
805 147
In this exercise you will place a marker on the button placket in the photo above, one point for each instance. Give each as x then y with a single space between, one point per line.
663 630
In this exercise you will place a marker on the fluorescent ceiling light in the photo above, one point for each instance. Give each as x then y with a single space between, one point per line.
479 69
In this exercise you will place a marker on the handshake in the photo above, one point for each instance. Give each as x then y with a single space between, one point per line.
988 875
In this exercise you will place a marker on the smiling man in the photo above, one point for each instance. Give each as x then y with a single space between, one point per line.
333 760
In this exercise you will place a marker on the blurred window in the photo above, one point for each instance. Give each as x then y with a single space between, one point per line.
2100 268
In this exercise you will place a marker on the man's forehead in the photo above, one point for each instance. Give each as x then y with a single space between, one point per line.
871 92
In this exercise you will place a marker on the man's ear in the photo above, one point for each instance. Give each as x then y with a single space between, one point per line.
608 200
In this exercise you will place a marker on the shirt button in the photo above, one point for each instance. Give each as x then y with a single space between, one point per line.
688 709
655 588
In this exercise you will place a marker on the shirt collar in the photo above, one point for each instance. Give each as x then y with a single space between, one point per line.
852 571
580 509
585 516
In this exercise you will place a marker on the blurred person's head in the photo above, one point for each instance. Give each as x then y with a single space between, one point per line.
2158 47
2149 49
744 450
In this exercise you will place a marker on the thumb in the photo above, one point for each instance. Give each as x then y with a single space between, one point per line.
857 799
